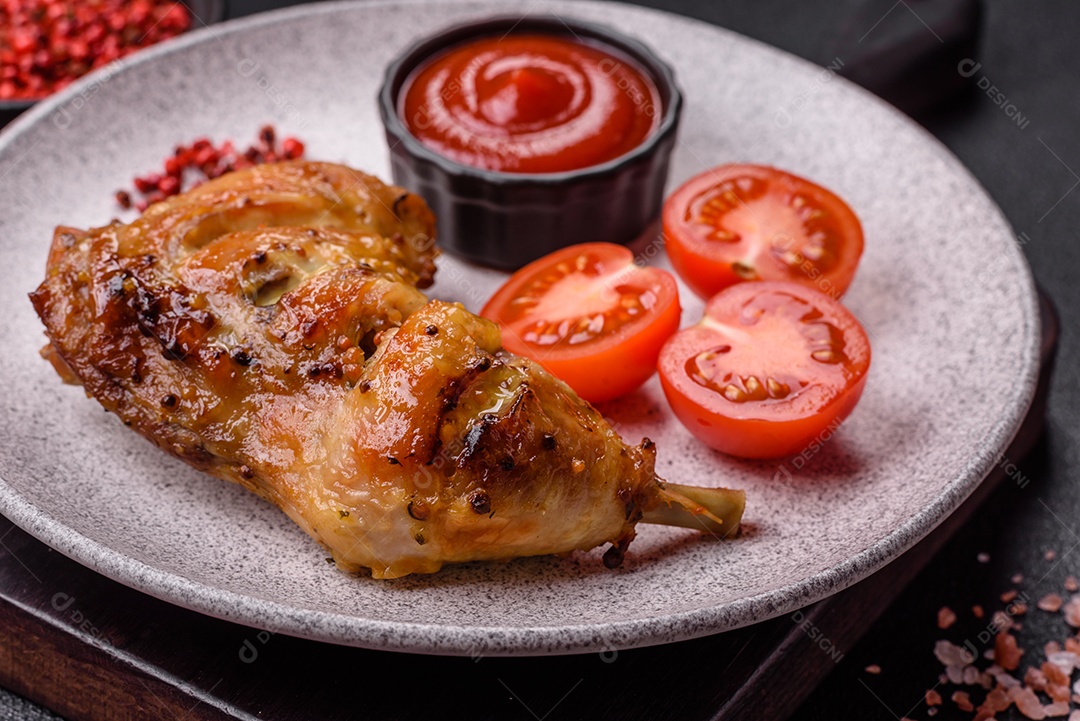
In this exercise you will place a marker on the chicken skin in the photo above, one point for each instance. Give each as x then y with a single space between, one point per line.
268 328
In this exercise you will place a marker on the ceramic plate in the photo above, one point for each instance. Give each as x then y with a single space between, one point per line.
943 291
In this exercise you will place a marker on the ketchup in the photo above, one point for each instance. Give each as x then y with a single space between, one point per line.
530 104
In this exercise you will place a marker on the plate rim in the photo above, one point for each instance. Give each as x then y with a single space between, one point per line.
444 639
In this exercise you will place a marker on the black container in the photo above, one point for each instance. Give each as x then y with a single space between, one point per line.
506 220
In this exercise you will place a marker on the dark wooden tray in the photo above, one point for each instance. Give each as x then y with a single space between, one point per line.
92 649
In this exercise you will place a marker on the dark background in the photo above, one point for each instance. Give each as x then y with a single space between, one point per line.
1027 51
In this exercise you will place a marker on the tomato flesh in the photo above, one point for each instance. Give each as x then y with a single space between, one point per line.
590 316
772 367
749 222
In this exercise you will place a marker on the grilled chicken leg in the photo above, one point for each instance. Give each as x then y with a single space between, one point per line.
268 328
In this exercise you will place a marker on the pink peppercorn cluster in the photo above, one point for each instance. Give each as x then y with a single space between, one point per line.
192 164
47 44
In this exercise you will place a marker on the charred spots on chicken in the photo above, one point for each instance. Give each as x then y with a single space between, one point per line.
450 395
548 442
267 292
166 314
511 429
242 357
451 392
308 328
330 369
480 502
147 305
396 208
173 351
169 400
393 461
418 509
475 435
614 556
195 453
367 343
246 472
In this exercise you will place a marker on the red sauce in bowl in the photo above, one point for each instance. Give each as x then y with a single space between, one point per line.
530 104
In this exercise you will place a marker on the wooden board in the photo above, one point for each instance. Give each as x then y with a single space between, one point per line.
91 649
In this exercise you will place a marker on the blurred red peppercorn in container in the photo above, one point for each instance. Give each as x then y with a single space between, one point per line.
45 45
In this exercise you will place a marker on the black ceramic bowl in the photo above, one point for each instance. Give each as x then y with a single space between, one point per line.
506 220
204 12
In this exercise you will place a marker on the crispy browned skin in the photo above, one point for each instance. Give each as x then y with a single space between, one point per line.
267 328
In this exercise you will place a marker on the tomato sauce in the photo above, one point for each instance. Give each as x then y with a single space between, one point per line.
530 104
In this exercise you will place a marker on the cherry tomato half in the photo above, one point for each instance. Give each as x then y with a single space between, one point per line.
590 315
772 367
750 222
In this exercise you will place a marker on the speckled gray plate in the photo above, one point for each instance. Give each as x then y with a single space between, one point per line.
943 290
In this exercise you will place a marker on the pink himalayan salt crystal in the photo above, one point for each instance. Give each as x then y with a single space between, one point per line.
1027 702
1002 621
955 674
1056 709
1050 603
949 654
963 701
1006 651
995 701
1065 662
1002 677
945 617
1072 612
1034 679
